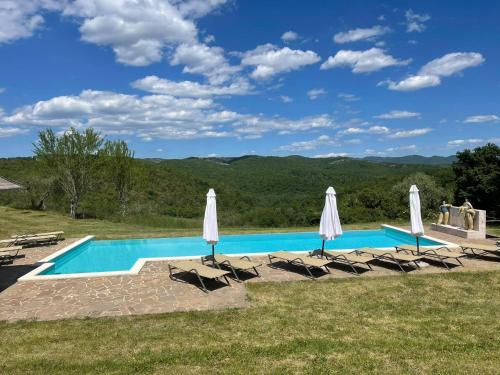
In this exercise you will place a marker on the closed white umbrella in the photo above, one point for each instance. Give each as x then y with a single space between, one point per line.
417 228
329 226
210 228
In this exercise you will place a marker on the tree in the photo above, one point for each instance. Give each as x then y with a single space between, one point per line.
118 160
71 159
477 175
38 189
431 194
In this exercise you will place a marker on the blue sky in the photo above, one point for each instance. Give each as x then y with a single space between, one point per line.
185 78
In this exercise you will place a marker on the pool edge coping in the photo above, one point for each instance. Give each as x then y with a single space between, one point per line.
45 263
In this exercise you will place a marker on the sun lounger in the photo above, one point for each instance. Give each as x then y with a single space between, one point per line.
441 254
392 255
241 264
30 241
471 248
305 261
351 259
58 234
200 270
9 253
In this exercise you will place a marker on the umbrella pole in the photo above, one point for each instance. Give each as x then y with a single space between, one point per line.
418 246
322 248
213 253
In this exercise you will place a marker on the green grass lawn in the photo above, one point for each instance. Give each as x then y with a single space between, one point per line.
14 221
441 323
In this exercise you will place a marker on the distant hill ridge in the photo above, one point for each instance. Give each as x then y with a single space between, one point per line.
408 159
414 159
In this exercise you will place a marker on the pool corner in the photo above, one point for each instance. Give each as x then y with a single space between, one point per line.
46 262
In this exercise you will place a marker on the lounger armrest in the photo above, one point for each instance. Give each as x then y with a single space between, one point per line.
340 256
444 248
315 252
429 251
207 258
246 257
401 250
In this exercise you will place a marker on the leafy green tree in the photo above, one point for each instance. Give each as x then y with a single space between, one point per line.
119 164
71 159
38 189
431 194
477 175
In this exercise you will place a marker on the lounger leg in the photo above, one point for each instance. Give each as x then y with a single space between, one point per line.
445 264
309 271
201 282
270 261
256 272
354 270
369 266
402 269
234 273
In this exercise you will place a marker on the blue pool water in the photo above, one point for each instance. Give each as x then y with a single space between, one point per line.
121 255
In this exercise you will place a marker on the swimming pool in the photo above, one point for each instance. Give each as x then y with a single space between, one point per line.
128 256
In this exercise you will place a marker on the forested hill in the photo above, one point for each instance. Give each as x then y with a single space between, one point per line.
414 159
251 190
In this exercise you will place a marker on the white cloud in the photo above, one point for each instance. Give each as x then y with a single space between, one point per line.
397 115
360 34
2 90
313 94
332 155
354 141
198 8
308 145
431 73
251 126
348 97
451 63
270 60
377 129
412 83
192 89
21 18
472 142
410 133
209 39
205 60
481 118
289 36
286 99
416 22
371 152
155 116
138 31
10 131
409 148
159 150
464 142
363 61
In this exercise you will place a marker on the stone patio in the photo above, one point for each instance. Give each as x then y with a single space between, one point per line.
152 291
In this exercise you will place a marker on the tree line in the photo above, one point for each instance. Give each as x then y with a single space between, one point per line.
85 175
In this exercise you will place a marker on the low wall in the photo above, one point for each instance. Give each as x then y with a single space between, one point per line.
456 225
458 220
